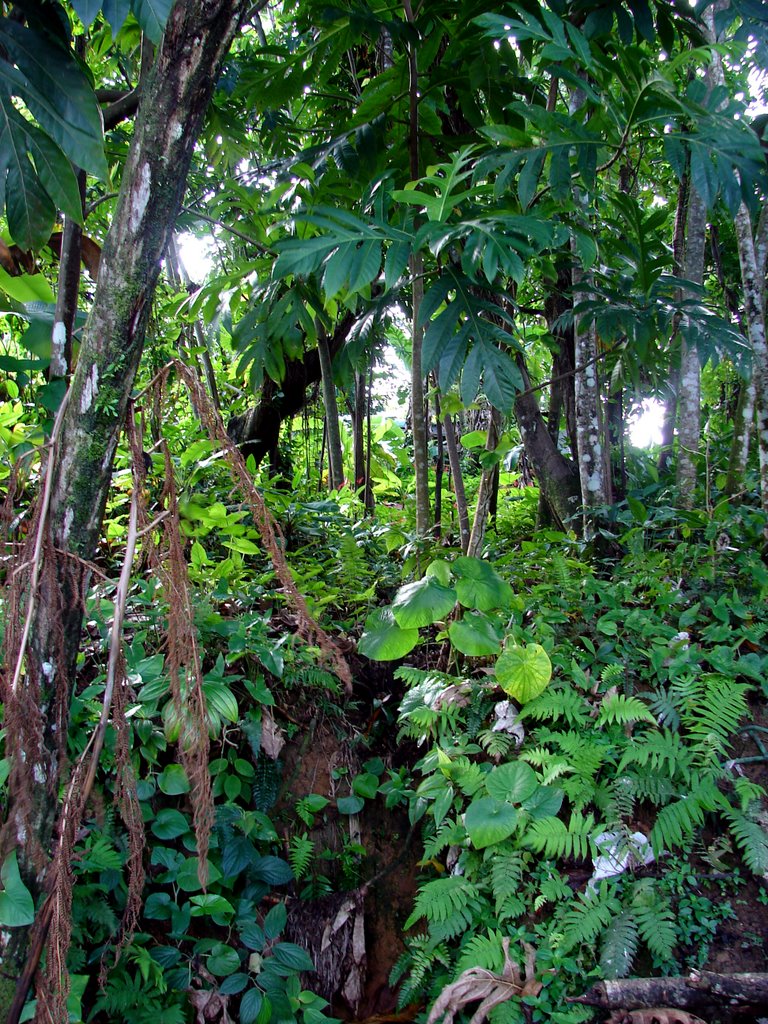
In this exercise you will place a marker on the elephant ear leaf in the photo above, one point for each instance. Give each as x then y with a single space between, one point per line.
524 672
17 907
383 639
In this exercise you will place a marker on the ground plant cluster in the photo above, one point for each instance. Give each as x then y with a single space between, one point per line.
358 662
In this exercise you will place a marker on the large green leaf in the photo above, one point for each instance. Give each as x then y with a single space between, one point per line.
152 16
475 635
30 212
56 92
524 672
489 821
17 907
478 585
383 639
513 782
422 603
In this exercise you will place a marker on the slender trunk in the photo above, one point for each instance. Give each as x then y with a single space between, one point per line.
670 405
358 433
439 460
561 392
689 400
753 282
458 482
368 493
335 459
485 491
589 434
418 419
79 470
68 292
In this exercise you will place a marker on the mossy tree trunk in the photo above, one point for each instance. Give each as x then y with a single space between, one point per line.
197 38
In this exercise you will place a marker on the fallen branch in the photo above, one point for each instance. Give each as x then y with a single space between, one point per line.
700 991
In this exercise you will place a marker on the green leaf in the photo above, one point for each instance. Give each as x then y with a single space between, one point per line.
475 635
288 954
479 586
513 782
545 802
152 16
223 960
350 804
275 921
488 821
209 905
250 1006
365 785
173 780
221 700
57 94
422 603
188 875
170 824
440 570
272 870
524 672
383 639
87 10
17 908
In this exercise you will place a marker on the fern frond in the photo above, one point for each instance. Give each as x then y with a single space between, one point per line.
619 947
655 919
482 950
449 833
613 675
588 916
558 702
418 961
507 868
752 840
617 709
300 854
497 745
554 838
553 889
664 751
441 899
718 713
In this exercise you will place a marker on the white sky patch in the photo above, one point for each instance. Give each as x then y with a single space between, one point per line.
645 424
196 254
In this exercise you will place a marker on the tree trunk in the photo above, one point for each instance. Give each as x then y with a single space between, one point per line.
458 482
418 417
358 432
68 292
335 456
439 467
689 399
557 477
196 40
485 491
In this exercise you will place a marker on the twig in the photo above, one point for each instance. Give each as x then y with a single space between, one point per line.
264 249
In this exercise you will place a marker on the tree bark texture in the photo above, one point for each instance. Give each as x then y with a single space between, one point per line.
485 490
68 292
454 462
557 476
700 992
689 399
197 38
335 457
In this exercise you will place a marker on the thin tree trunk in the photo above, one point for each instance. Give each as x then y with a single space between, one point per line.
418 418
458 482
439 460
485 490
335 458
670 405
689 399
195 42
68 292
358 432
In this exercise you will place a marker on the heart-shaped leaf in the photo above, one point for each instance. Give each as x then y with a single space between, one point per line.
488 821
422 603
478 585
475 635
513 782
524 672
383 639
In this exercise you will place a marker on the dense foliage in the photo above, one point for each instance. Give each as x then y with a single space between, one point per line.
309 602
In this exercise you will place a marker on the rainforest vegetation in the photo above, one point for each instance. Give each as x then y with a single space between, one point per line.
357 663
